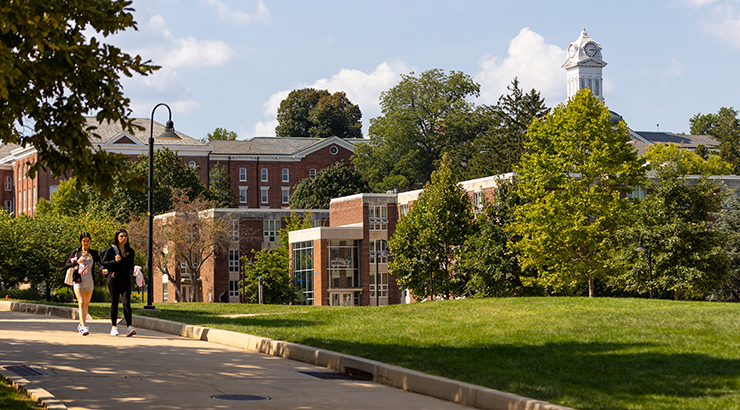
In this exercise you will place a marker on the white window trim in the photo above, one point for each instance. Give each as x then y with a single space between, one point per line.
242 175
283 194
265 195
246 192
286 175
264 175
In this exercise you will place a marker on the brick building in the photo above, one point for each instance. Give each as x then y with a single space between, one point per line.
346 263
262 171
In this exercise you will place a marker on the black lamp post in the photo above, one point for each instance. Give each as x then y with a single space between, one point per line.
378 253
650 263
168 134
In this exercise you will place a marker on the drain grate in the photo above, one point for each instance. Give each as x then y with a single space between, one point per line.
239 397
330 375
25 370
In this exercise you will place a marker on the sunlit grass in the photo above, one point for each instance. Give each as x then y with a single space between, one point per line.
11 399
584 353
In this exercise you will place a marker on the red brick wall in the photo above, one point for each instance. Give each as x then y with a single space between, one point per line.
347 212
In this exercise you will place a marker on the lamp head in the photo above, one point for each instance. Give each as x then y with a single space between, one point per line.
169 132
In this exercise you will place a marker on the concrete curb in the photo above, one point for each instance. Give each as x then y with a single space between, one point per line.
365 369
38 395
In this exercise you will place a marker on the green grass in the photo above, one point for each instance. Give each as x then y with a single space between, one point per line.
12 399
584 353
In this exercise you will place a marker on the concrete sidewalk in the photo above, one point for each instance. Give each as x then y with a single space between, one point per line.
154 370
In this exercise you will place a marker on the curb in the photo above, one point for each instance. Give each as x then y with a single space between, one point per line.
38 395
365 369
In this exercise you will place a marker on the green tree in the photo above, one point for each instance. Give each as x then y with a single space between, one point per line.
53 73
220 134
486 257
727 223
318 114
576 169
170 175
674 220
685 162
273 265
219 188
437 225
422 118
336 181
499 149
725 127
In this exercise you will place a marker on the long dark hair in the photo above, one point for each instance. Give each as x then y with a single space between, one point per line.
128 242
83 236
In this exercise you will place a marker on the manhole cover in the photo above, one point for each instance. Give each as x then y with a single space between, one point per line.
239 397
25 370
330 375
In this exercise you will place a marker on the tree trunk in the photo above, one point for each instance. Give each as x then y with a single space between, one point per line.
590 287
675 294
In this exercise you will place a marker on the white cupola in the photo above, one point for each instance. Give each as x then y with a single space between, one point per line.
584 66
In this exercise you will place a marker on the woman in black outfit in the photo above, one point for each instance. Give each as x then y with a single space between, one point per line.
118 264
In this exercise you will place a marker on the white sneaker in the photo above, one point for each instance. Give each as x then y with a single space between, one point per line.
130 331
83 330
114 331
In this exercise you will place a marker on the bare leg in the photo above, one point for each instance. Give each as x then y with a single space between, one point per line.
86 296
82 305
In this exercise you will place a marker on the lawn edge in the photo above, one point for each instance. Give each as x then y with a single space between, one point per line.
406 379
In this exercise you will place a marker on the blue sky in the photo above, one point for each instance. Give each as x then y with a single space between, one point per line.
229 63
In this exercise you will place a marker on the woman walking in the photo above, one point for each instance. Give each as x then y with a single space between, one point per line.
83 260
118 263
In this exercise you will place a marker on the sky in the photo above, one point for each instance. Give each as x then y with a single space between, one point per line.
229 63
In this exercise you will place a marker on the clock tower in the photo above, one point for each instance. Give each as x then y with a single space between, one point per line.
584 66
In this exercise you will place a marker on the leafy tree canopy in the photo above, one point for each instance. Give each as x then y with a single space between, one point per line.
499 149
435 227
573 174
422 118
318 114
220 134
725 127
52 75
336 181
684 162
273 265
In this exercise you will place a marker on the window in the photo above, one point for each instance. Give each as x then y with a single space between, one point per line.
264 198
233 261
233 288
264 175
286 175
344 270
52 190
242 175
596 87
378 218
478 200
334 150
286 195
8 183
312 173
192 164
235 231
242 195
8 206
303 272
270 229
637 193
404 209
383 257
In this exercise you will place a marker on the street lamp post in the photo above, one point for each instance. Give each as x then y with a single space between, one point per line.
168 134
650 263
377 276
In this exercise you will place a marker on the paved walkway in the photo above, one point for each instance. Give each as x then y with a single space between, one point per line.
155 370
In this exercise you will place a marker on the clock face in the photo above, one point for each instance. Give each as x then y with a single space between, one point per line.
590 49
571 50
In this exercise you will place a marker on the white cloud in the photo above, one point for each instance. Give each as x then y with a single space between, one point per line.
361 88
718 18
225 13
534 62
674 69
191 52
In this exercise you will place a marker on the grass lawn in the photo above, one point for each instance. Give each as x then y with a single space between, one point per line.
584 353
12 399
